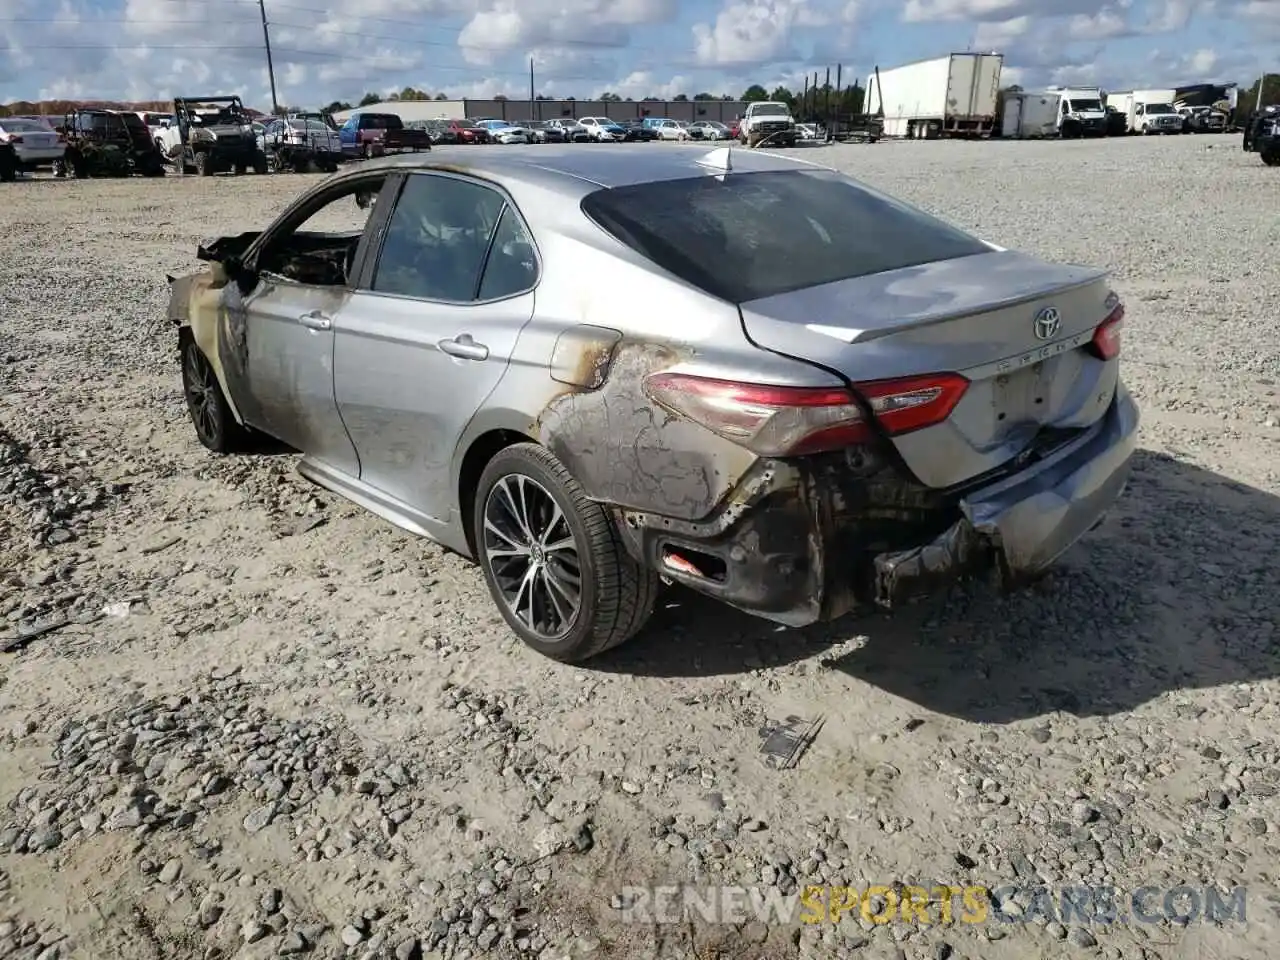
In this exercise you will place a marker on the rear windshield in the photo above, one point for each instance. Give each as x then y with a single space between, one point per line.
30 126
380 121
752 235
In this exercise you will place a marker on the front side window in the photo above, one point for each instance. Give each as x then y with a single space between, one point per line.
437 238
320 249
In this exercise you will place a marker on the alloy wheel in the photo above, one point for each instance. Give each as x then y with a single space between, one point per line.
533 555
201 397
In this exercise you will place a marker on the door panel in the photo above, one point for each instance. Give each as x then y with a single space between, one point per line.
405 402
290 367
420 349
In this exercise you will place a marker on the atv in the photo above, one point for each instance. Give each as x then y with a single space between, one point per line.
211 135
107 143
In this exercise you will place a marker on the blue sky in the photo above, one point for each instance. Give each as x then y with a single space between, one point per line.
145 49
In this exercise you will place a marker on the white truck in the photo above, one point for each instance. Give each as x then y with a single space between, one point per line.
768 123
951 96
1081 112
1028 115
1148 111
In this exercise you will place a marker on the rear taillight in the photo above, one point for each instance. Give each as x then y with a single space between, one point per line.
778 421
15 139
1106 339
910 403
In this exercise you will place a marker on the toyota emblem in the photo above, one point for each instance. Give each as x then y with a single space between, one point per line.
1047 323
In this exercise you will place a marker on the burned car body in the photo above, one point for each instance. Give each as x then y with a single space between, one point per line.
800 416
107 143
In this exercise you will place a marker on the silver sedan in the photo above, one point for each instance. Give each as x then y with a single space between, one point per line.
810 399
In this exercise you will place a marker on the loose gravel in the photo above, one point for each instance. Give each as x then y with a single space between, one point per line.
259 722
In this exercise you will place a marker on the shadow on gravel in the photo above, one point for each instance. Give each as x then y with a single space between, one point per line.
1175 591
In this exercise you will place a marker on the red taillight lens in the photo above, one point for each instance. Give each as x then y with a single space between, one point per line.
911 403
778 421
1106 339
15 139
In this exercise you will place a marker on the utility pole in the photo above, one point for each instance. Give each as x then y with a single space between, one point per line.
532 96
271 70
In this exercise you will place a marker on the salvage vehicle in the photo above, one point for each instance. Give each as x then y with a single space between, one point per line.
299 145
768 124
1266 139
211 135
8 162
107 143
31 141
368 135
800 421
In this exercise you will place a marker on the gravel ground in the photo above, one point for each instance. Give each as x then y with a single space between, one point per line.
271 724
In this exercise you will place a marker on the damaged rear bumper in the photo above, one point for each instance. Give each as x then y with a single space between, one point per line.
1020 525
797 542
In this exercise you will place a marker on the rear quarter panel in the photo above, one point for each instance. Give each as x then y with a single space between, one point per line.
604 319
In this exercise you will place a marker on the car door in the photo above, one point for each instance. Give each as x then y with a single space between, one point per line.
287 320
430 332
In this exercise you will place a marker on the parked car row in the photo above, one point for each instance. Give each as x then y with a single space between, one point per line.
564 130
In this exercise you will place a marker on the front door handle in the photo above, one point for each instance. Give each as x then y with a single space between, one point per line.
463 346
316 321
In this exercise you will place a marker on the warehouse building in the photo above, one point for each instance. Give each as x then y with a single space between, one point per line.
514 110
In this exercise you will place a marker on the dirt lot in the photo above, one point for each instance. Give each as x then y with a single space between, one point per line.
275 725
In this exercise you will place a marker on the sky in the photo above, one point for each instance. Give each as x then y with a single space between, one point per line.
339 50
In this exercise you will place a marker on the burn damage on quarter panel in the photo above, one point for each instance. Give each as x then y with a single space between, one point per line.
628 452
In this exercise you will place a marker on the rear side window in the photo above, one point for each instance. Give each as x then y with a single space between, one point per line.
747 236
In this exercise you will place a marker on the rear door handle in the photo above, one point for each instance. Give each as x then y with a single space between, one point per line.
316 321
463 346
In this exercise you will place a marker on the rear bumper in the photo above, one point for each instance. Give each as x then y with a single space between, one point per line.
796 545
1018 527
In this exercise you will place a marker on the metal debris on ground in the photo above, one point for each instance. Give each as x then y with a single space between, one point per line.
26 634
162 546
305 525
785 742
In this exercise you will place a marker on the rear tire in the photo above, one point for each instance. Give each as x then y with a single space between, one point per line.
259 163
1271 158
615 595
216 426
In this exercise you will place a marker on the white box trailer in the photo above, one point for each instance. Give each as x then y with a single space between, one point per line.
949 96
1029 115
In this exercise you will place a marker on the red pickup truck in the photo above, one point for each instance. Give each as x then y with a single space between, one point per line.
376 134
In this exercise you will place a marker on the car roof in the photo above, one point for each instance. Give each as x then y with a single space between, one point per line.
570 169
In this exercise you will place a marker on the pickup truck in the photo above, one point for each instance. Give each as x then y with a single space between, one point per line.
376 134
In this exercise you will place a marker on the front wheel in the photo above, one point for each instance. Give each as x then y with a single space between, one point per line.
1271 158
553 560
216 426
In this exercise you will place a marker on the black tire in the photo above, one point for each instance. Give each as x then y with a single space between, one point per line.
241 169
8 165
259 163
216 426
1271 158
617 594
204 165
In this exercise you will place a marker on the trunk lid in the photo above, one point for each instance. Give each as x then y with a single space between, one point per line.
977 316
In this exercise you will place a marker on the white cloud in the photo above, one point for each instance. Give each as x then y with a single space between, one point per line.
750 31
505 25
